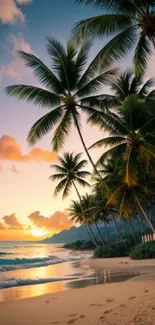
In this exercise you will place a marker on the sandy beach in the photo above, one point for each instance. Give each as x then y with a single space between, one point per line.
130 302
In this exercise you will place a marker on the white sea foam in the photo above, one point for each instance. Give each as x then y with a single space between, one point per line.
4 284
26 263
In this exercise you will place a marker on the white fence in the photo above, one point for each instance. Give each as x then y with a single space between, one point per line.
149 237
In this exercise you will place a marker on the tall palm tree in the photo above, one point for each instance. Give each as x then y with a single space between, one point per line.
66 86
131 136
70 172
78 215
131 23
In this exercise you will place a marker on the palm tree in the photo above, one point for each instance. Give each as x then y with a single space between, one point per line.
89 208
129 84
132 199
70 172
78 215
65 87
131 23
131 136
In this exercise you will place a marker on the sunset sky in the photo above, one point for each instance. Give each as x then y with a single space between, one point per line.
28 210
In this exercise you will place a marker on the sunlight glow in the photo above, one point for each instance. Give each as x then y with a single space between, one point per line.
39 232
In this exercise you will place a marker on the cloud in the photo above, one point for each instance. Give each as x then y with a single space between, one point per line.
10 12
2 226
15 67
1 168
14 170
12 222
58 220
11 150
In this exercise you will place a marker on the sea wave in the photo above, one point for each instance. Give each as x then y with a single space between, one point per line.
26 263
9 283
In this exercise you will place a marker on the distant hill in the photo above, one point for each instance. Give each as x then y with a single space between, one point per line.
79 233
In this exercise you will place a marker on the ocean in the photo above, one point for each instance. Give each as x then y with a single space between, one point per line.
30 269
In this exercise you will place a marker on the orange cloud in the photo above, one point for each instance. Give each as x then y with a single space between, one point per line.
58 220
10 13
2 226
11 150
12 222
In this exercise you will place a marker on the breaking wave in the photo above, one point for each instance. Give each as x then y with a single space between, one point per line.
26 263
9 283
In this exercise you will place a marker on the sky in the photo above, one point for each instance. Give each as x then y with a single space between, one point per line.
28 210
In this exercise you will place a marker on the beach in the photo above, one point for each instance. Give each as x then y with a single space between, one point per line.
129 302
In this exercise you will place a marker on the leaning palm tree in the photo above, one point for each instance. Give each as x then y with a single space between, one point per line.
89 209
78 215
70 173
66 86
131 23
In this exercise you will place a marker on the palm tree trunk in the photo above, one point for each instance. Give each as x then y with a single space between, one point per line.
106 229
118 232
102 241
142 225
93 236
145 215
78 194
84 145
133 231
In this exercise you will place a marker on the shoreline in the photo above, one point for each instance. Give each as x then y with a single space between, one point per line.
112 303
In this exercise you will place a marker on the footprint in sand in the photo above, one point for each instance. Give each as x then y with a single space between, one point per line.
108 311
122 305
98 305
146 290
47 301
82 316
54 323
110 300
132 297
102 317
72 321
72 315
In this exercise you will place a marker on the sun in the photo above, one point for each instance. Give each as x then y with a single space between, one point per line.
38 232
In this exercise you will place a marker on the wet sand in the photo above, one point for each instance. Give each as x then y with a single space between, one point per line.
131 302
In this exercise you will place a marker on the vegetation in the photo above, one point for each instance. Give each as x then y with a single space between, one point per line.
131 22
123 178
143 251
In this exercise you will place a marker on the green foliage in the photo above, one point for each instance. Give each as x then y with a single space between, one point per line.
130 23
114 250
69 172
143 251
80 245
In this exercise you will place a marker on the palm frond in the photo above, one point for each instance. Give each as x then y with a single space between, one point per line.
44 125
36 95
101 25
112 5
81 182
60 187
142 52
110 141
115 49
62 131
42 72
96 84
